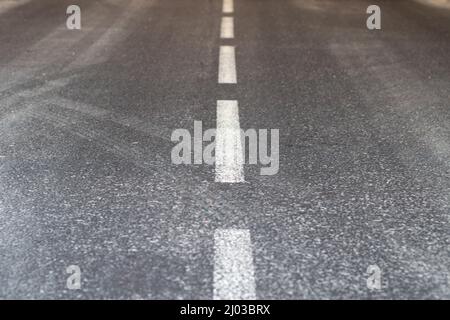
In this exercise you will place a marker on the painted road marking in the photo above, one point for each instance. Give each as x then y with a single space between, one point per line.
227 65
227 6
7 5
227 28
234 275
229 155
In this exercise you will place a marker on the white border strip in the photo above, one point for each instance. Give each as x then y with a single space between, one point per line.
229 154
233 265
227 65
227 28
228 6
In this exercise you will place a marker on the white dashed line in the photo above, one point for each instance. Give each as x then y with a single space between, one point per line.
234 277
227 28
227 65
229 155
227 6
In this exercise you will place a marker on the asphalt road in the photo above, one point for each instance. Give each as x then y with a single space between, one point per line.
86 176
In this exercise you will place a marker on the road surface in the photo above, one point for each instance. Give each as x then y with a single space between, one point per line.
87 178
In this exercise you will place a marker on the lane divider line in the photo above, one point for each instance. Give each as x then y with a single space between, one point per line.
227 28
227 65
234 277
228 6
229 164
234 274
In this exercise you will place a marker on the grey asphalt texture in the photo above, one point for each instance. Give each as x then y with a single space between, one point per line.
86 176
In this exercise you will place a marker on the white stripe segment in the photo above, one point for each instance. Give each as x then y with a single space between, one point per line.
227 28
234 277
229 154
227 6
227 65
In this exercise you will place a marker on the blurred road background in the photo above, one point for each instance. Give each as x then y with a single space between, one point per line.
86 176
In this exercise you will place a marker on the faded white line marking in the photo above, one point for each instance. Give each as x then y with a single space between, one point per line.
7 5
229 154
227 6
227 28
227 65
234 277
